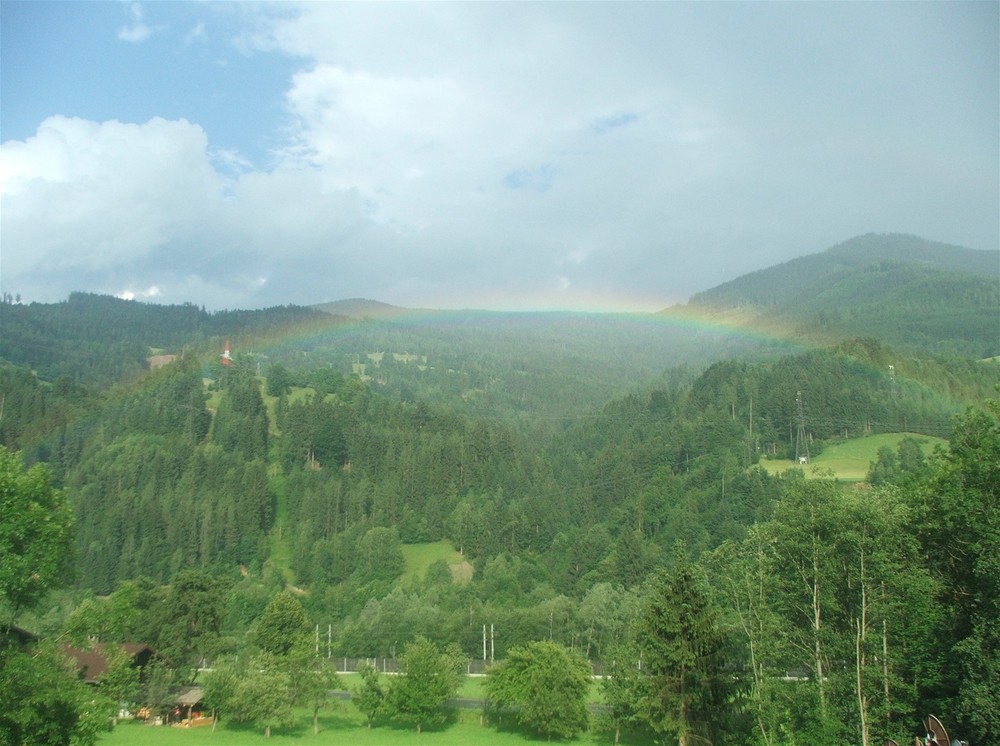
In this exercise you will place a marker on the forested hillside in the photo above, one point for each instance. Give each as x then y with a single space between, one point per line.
917 296
102 341
207 493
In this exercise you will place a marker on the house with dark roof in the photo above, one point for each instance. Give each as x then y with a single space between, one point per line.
13 636
93 663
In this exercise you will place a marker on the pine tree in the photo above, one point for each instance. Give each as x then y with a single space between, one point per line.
684 648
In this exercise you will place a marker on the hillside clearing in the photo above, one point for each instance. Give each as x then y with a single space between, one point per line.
850 460
419 557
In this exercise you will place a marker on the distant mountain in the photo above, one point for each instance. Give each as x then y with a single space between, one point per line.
913 294
799 278
362 308
102 340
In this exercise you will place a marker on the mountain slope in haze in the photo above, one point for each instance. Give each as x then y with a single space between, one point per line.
362 308
791 281
101 340
915 295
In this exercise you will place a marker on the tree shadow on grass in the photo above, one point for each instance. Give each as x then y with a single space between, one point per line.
341 721
507 723
451 717
301 728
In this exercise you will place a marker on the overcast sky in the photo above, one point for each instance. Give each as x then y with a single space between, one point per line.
592 156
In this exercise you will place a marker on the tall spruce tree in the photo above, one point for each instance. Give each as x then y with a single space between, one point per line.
691 688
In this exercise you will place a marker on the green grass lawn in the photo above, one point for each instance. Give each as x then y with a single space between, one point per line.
851 459
342 724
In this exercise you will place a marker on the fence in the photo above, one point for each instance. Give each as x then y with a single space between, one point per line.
475 667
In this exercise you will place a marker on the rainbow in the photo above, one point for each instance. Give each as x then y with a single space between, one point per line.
744 329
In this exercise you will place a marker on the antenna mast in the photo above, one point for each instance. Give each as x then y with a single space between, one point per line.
801 441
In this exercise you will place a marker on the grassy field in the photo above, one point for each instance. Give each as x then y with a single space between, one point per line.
850 460
342 724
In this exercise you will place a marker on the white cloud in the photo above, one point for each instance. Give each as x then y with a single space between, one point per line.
485 154
449 179
150 293
138 31
196 34
84 194
104 198
370 131
119 208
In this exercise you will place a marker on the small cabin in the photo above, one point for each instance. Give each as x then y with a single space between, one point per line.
93 663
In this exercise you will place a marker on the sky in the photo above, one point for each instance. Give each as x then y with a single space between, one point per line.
499 155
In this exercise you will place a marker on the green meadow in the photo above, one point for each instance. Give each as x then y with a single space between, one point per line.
418 557
850 460
341 723
344 726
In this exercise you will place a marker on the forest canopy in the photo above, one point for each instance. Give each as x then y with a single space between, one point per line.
227 509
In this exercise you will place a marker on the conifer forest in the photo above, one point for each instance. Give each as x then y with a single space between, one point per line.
543 497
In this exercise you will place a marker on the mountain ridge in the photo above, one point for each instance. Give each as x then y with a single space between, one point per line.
915 295
907 291
788 280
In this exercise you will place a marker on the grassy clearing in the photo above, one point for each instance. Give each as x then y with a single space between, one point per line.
418 557
280 550
850 460
297 394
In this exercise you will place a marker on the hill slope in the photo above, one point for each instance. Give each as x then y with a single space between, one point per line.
913 294
791 281
916 296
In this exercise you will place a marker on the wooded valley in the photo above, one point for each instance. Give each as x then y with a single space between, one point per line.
600 479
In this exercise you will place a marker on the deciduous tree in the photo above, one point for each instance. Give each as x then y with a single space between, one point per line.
959 526
41 700
191 617
544 686
262 696
282 626
428 677
120 681
35 533
370 696
43 703
221 686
